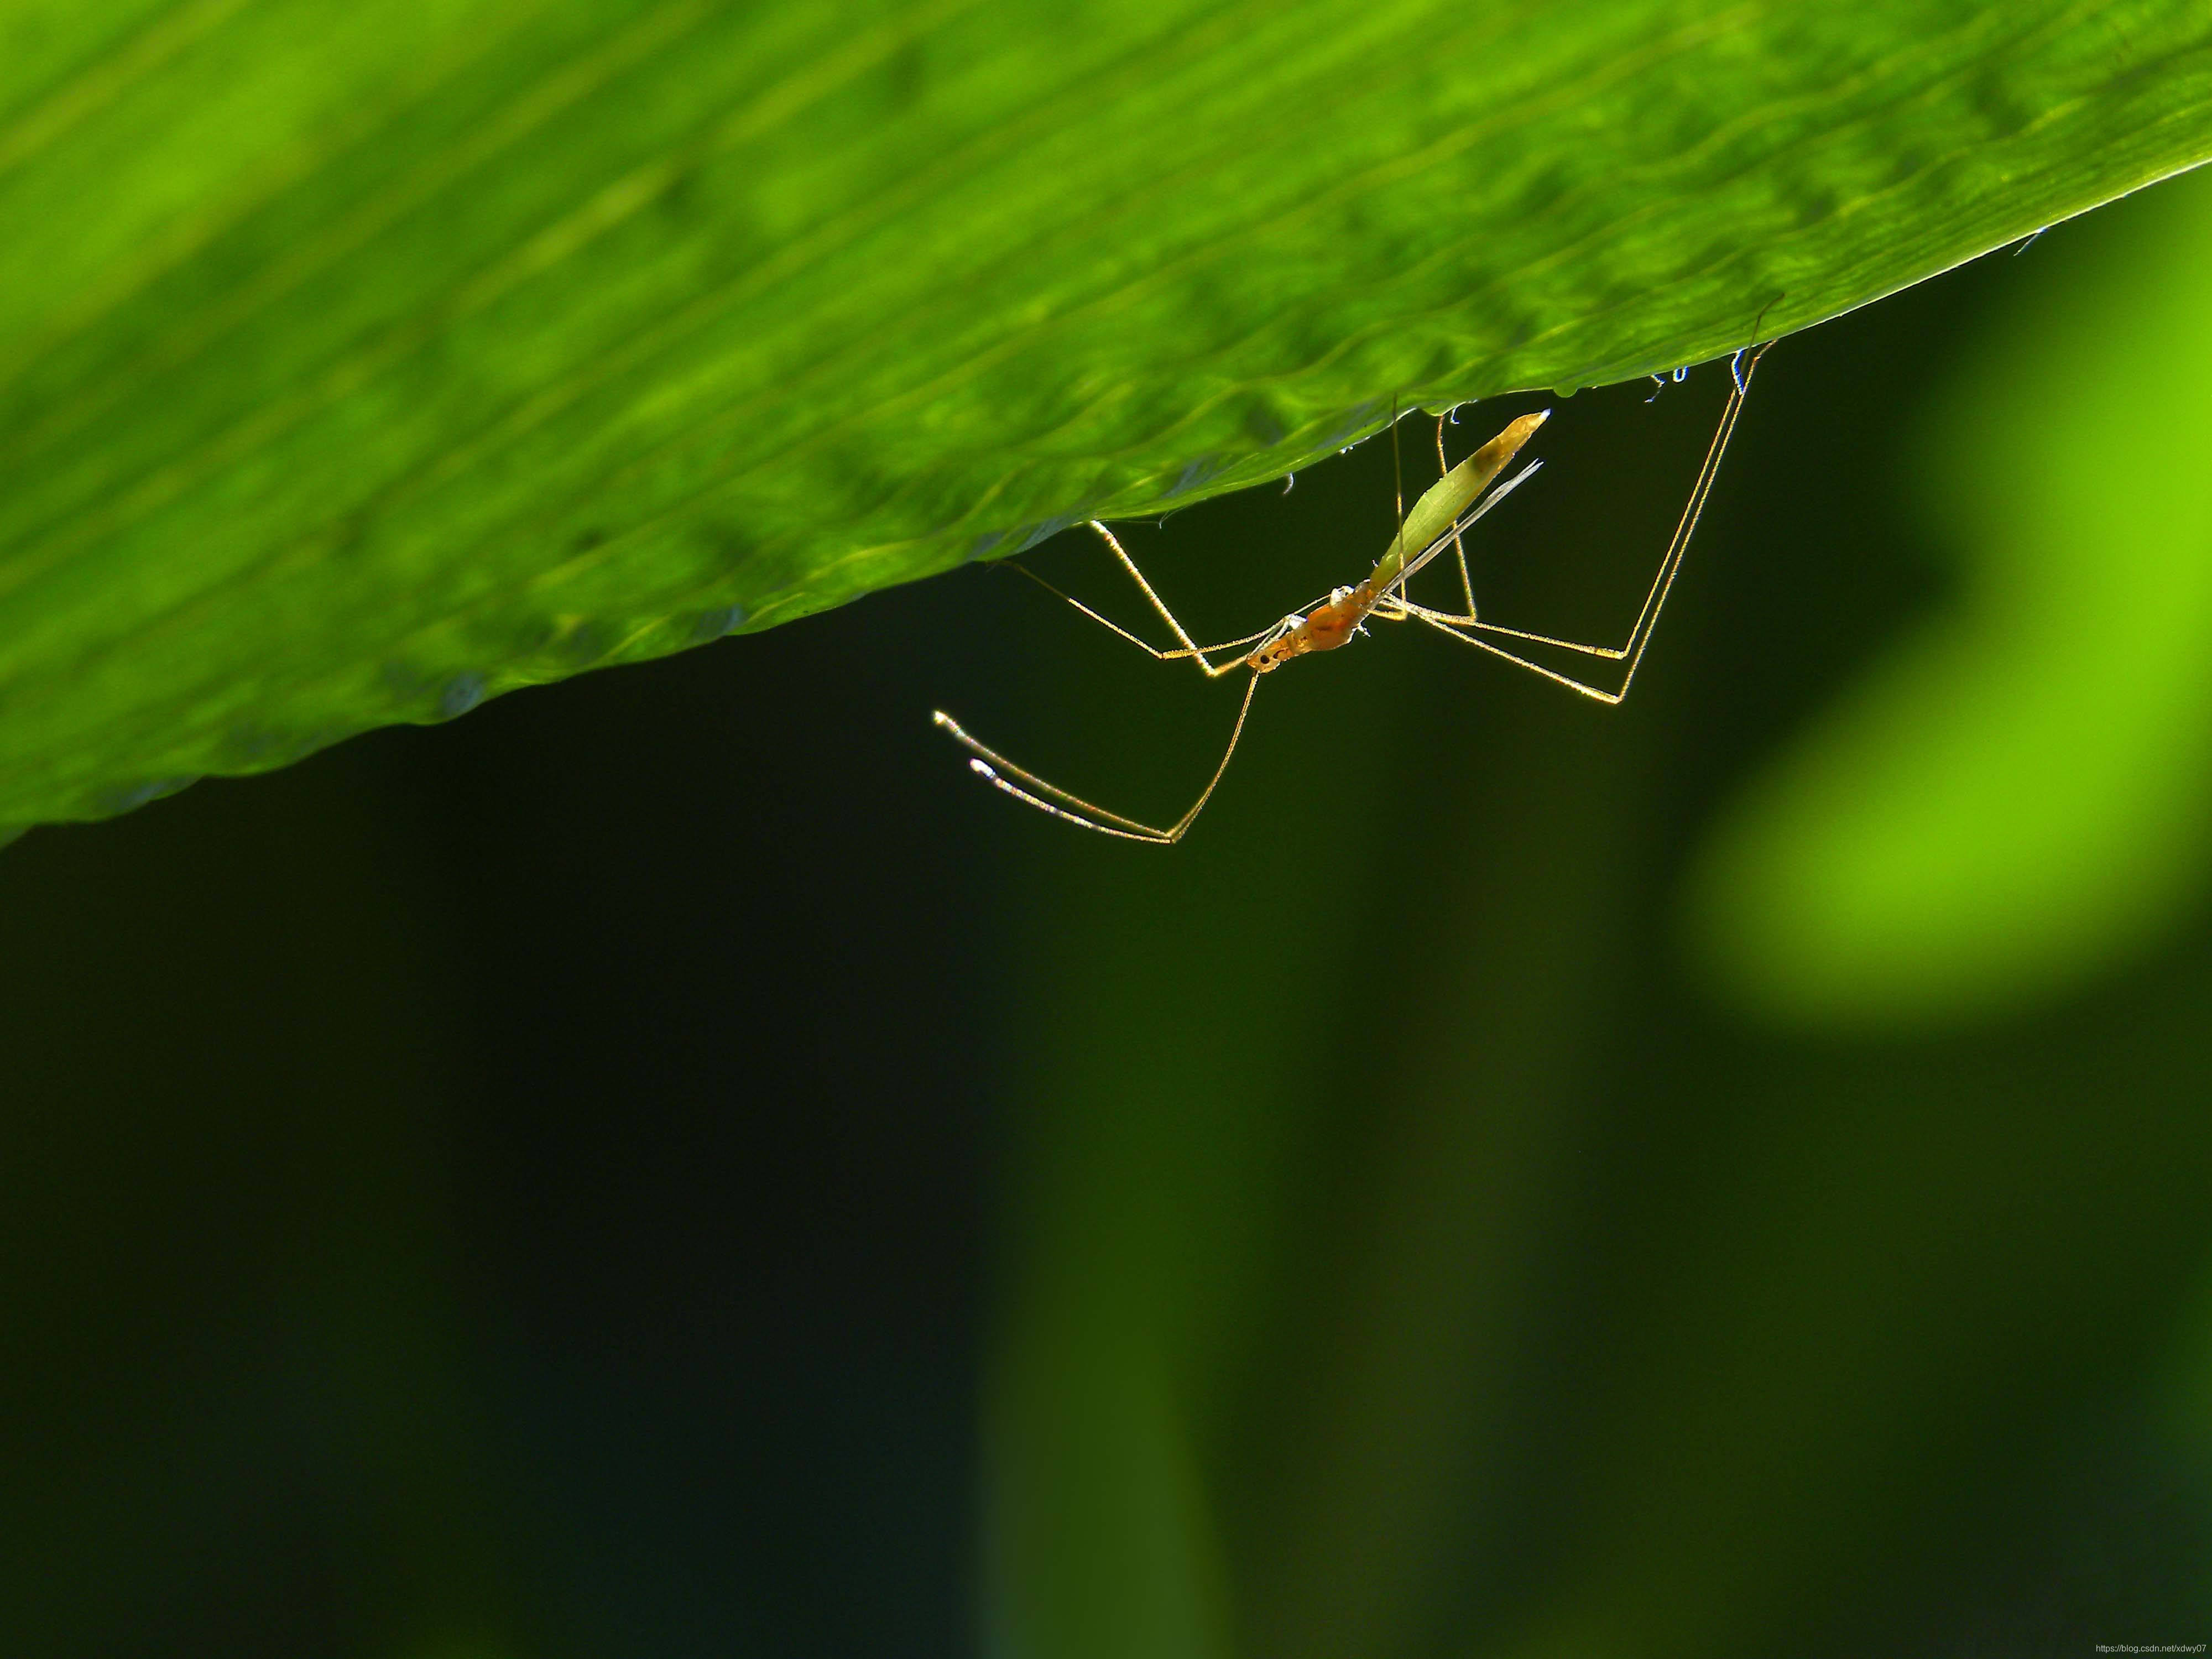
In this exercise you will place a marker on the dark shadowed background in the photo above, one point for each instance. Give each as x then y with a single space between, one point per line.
669 1164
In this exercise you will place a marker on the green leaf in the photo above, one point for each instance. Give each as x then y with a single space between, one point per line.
357 363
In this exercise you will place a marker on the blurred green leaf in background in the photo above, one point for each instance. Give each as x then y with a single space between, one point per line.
2020 794
357 365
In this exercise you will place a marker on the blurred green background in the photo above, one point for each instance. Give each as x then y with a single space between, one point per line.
668 1164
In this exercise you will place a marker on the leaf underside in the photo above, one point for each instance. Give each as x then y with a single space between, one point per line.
359 363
